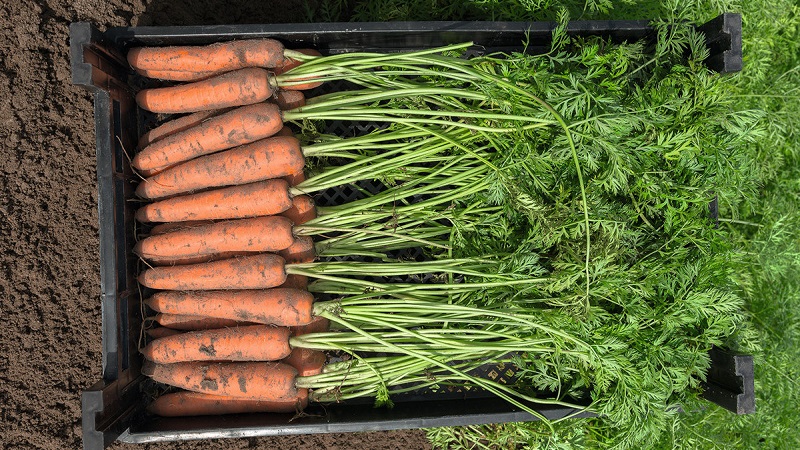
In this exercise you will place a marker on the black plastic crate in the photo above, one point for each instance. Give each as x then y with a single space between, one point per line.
114 407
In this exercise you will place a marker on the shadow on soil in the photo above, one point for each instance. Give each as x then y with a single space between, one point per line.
218 12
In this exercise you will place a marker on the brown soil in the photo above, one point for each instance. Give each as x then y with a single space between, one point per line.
49 276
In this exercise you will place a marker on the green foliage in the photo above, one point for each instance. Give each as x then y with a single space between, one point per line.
525 10
657 137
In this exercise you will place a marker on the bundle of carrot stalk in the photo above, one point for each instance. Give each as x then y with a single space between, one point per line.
236 237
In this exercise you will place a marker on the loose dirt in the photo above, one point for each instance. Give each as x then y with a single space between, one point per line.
49 267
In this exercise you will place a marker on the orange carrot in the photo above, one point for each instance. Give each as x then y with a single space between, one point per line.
295 282
301 211
248 272
268 381
151 172
194 323
285 131
184 403
203 73
300 251
288 100
279 306
262 198
177 75
185 260
303 86
295 178
172 226
250 343
258 234
289 64
176 125
218 57
317 325
265 159
308 362
299 176
237 88
160 332
227 130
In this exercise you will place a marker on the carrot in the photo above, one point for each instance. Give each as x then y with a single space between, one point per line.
302 86
265 159
295 178
172 226
193 323
249 272
301 211
258 234
177 75
237 88
285 131
268 381
185 403
308 362
218 57
168 72
300 251
249 343
288 100
317 325
279 306
185 260
160 332
289 63
176 125
262 198
227 130
151 172
295 282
